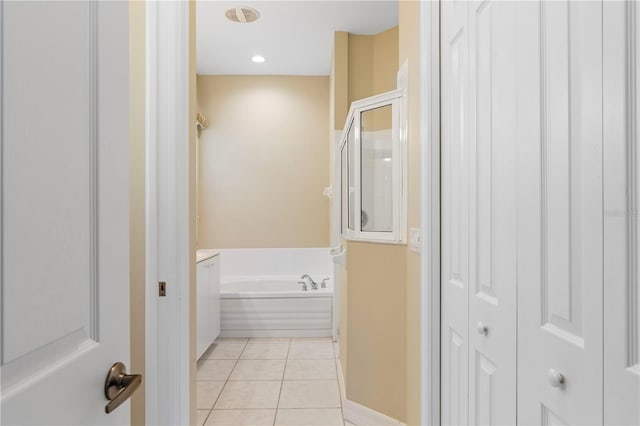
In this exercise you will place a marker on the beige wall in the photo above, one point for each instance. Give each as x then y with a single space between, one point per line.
360 68
385 60
264 161
372 64
409 49
339 79
373 321
136 200
376 321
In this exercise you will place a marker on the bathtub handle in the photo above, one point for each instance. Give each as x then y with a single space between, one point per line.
323 284
304 285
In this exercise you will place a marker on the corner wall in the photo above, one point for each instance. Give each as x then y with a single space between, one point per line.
373 287
409 17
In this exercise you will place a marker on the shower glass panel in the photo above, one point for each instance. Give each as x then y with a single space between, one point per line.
373 176
376 170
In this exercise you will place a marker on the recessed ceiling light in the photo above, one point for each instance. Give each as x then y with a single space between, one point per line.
258 59
242 14
387 159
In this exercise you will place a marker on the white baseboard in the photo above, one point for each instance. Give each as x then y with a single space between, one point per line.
360 415
343 391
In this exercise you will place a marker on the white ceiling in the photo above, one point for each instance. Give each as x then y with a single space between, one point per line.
295 36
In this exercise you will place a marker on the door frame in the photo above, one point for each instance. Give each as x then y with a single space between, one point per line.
168 367
168 342
430 211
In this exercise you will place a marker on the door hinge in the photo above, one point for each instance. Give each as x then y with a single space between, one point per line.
162 289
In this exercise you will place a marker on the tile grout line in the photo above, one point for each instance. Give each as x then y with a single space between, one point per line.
226 381
286 360
289 342
210 409
335 363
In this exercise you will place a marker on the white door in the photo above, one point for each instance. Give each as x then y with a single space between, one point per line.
492 209
455 213
478 213
540 213
621 64
560 214
65 212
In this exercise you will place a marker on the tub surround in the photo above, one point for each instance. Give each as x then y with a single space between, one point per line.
243 264
261 295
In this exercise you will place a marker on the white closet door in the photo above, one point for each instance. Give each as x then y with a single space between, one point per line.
455 213
560 214
621 227
492 237
479 213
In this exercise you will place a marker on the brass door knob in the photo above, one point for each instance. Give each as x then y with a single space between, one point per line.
119 386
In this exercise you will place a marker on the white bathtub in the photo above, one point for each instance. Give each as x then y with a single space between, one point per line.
275 307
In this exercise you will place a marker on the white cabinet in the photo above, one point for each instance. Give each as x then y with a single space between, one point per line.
208 308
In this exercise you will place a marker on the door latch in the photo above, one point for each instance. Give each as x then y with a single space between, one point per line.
162 289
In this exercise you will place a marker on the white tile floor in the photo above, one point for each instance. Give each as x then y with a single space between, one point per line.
274 381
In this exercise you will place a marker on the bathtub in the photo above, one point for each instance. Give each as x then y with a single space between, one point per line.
274 307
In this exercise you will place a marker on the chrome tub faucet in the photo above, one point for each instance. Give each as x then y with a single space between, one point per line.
314 285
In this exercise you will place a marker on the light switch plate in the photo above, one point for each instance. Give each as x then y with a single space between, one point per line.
415 240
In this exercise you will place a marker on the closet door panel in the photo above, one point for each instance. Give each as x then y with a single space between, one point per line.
492 243
621 227
560 220
455 217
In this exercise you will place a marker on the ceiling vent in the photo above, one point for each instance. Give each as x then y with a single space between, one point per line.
242 14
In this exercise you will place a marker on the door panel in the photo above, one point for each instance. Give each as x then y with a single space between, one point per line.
621 227
562 162
522 199
44 237
65 245
479 212
492 244
455 214
560 215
